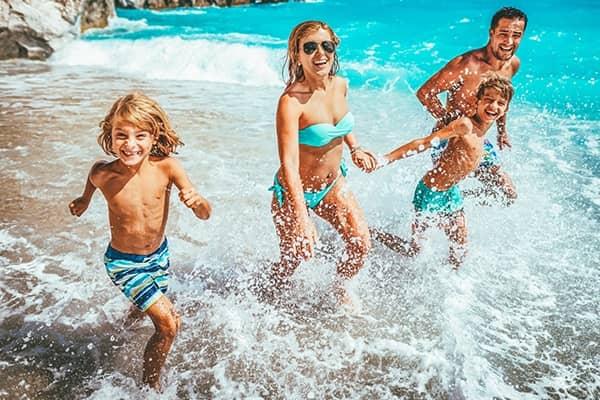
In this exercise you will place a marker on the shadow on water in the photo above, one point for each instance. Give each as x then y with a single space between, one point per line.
56 361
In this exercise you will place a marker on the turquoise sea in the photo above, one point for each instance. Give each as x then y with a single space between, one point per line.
520 320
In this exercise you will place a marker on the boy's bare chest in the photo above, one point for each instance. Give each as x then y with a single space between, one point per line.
146 191
468 148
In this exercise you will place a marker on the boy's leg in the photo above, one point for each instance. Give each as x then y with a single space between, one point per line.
420 224
494 180
455 228
166 323
393 242
134 315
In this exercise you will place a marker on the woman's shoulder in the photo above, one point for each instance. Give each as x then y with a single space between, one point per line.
340 84
293 96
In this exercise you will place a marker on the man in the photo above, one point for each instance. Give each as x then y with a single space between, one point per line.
461 78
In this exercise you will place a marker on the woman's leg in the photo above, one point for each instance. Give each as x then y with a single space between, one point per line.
340 208
285 226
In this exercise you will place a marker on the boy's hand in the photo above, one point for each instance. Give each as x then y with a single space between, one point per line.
192 199
78 206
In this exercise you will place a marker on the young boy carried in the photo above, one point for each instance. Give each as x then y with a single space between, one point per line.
437 199
137 187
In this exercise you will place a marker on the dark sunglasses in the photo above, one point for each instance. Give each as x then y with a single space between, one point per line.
326 45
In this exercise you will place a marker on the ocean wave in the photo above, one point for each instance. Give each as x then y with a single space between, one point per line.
174 58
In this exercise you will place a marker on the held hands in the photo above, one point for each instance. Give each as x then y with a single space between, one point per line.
381 161
363 159
78 206
192 199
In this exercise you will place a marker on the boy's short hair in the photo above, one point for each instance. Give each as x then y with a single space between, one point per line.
510 13
495 81
145 114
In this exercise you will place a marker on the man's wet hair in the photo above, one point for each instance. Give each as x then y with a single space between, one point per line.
510 13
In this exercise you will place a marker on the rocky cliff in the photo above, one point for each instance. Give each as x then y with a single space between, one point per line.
35 28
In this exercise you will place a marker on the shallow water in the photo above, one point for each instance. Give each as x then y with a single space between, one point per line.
518 321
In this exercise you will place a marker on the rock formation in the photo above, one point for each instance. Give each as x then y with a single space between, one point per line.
35 28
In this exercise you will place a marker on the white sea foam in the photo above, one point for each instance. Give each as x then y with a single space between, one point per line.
504 326
178 59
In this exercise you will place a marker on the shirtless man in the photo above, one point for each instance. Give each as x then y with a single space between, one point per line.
461 78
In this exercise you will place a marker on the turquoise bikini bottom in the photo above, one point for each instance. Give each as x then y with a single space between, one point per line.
312 198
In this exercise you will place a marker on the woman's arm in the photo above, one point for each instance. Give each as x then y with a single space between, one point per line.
287 125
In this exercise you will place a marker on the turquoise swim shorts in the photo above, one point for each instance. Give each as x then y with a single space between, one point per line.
432 201
142 279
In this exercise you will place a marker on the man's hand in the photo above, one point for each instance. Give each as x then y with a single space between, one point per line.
503 141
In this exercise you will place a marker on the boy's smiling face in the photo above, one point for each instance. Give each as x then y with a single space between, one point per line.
492 105
131 144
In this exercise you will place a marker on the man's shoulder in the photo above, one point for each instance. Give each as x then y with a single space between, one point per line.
475 56
470 58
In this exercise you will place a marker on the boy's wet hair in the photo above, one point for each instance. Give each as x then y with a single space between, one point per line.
295 72
145 114
510 13
495 81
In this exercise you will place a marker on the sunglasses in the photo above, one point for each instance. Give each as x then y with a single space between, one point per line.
327 45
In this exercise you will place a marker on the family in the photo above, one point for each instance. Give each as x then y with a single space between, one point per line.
312 123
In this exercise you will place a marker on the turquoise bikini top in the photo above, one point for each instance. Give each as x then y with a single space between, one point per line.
320 134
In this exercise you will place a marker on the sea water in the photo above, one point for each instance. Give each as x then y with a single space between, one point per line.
520 320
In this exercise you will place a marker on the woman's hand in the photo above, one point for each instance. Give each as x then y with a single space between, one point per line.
305 237
363 159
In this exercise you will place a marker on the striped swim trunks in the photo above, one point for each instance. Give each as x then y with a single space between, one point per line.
142 279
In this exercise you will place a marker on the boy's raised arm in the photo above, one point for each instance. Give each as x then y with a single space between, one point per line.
457 128
80 204
187 193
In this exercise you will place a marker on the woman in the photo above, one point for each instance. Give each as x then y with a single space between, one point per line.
313 123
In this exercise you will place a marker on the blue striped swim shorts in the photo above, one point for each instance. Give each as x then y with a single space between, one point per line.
142 279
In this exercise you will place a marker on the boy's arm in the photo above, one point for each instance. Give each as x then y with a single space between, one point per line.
80 204
458 127
187 193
